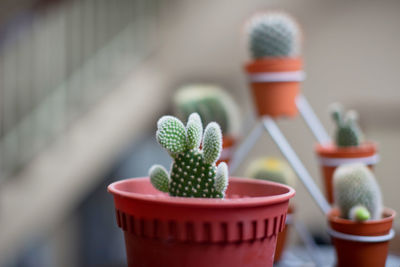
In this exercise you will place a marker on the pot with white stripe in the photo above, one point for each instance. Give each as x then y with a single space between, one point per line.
330 157
361 244
275 83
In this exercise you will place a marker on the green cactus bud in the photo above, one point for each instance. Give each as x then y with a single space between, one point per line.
271 169
193 172
273 34
359 213
354 187
348 132
211 102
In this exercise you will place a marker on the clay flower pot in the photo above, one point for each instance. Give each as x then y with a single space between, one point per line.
228 144
275 84
282 236
361 244
240 230
330 157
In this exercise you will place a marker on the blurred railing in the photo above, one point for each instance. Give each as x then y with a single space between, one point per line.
57 61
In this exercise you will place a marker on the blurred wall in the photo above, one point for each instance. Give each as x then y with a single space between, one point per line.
351 55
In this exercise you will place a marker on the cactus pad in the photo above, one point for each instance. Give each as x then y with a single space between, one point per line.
193 172
348 132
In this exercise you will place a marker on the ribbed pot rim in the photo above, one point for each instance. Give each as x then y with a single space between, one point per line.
239 202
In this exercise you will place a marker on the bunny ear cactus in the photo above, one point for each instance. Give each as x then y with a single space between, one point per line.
272 169
193 172
274 34
348 132
357 193
210 102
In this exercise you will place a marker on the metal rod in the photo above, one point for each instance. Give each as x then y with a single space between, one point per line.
312 120
297 165
245 147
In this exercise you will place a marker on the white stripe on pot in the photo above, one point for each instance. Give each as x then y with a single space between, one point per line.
282 76
340 161
362 238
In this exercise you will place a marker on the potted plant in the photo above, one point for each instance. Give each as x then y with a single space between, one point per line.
359 225
276 68
212 103
275 170
189 217
349 147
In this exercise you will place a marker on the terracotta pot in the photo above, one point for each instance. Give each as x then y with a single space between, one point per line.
275 84
228 144
330 157
240 230
282 236
361 254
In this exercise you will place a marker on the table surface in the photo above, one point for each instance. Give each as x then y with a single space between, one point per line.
299 257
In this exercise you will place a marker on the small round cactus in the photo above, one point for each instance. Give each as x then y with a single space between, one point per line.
271 169
193 172
211 102
274 34
348 132
357 193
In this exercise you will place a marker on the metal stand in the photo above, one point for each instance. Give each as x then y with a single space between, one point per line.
297 165
320 134
312 120
270 126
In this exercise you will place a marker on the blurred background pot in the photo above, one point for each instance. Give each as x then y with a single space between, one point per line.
275 84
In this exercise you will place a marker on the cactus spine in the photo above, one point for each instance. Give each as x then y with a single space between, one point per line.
274 34
348 132
210 102
357 193
193 172
271 169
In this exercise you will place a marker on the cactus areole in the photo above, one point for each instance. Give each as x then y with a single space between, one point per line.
190 216
276 70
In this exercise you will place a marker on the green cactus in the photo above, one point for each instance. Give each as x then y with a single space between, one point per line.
193 172
274 34
348 132
272 169
357 193
210 102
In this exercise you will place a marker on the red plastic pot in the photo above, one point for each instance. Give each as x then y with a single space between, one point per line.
282 236
330 157
275 84
361 253
228 144
237 231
